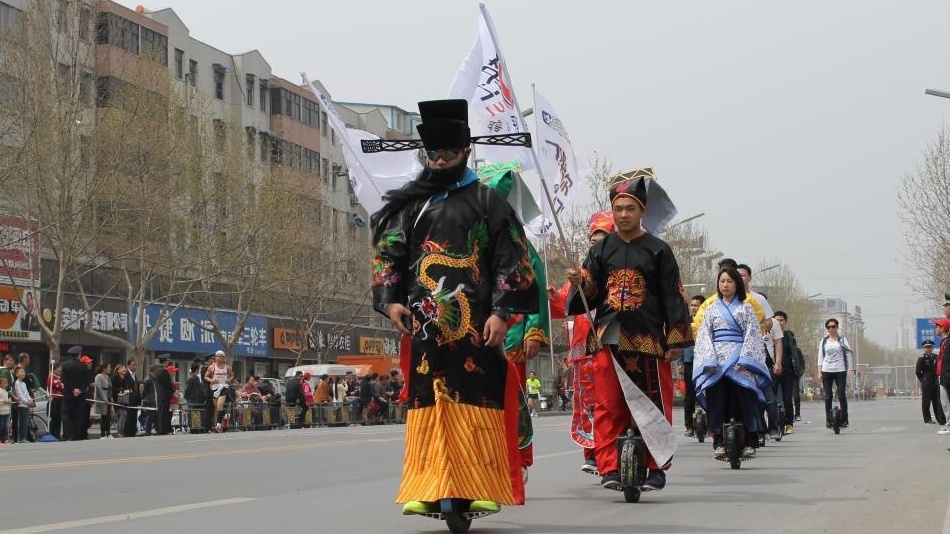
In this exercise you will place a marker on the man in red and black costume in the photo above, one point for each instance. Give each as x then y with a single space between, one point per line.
642 324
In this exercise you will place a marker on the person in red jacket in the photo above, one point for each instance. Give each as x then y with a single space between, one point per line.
580 357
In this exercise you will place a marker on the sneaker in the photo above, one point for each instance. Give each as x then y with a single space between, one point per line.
719 453
224 422
689 433
417 508
217 428
611 481
844 424
590 466
944 430
748 452
484 506
798 418
655 481
775 434
789 429
929 423
524 475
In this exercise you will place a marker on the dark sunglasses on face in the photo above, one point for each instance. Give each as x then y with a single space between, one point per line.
832 327
446 155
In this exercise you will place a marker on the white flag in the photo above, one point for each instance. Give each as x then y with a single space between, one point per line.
555 155
483 80
371 175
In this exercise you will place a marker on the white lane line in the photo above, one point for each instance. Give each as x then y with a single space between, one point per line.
125 517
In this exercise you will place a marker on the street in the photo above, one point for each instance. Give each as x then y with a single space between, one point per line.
887 473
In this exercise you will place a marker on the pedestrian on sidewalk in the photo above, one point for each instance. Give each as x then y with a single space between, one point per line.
926 371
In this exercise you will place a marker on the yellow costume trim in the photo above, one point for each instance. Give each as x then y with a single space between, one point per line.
455 450
698 319
536 334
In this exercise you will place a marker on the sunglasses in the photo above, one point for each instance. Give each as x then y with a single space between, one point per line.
445 155
832 327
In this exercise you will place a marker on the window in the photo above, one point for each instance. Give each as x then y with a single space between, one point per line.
333 177
265 146
295 108
325 170
192 72
286 102
249 89
251 139
10 17
323 123
264 95
85 23
333 137
219 134
61 12
179 63
85 88
219 82
155 46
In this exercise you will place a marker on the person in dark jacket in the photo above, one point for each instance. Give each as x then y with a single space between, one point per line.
164 389
294 394
133 385
926 371
75 383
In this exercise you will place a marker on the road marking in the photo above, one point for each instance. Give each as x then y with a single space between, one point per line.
202 454
79 523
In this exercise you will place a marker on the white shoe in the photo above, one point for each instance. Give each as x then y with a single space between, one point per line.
944 430
748 452
719 453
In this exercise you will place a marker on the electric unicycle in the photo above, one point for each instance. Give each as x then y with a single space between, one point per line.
456 515
633 466
700 425
733 440
836 419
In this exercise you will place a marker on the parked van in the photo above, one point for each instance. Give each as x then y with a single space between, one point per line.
321 369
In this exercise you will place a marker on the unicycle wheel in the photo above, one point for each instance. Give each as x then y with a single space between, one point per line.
836 419
631 495
457 523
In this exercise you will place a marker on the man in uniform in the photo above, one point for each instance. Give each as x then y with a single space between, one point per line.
926 371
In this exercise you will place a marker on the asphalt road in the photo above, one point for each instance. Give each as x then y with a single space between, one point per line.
887 473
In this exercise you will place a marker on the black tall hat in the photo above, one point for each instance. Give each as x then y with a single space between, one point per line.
444 126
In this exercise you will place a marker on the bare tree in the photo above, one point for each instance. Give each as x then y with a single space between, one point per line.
926 215
47 62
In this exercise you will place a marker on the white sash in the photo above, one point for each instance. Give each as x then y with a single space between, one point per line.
657 432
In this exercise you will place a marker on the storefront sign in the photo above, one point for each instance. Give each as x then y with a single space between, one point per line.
111 322
17 314
379 345
189 330
291 339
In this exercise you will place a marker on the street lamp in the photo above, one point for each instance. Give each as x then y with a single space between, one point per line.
770 267
809 297
935 92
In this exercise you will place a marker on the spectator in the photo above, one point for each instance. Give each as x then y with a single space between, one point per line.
74 386
307 389
250 392
294 394
164 391
322 395
25 404
54 385
120 396
5 408
103 398
340 388
133 386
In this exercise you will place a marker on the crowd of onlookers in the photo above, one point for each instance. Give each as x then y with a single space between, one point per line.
123 403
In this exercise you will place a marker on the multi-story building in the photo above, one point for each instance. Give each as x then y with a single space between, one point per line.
282 128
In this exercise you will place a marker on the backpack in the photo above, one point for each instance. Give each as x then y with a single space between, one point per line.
841 341
798 361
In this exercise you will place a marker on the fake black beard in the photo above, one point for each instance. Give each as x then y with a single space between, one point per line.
429 182
444 177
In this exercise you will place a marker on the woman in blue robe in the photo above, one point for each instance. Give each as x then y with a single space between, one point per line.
729 364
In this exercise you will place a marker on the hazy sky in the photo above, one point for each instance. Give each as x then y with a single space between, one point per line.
788 123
